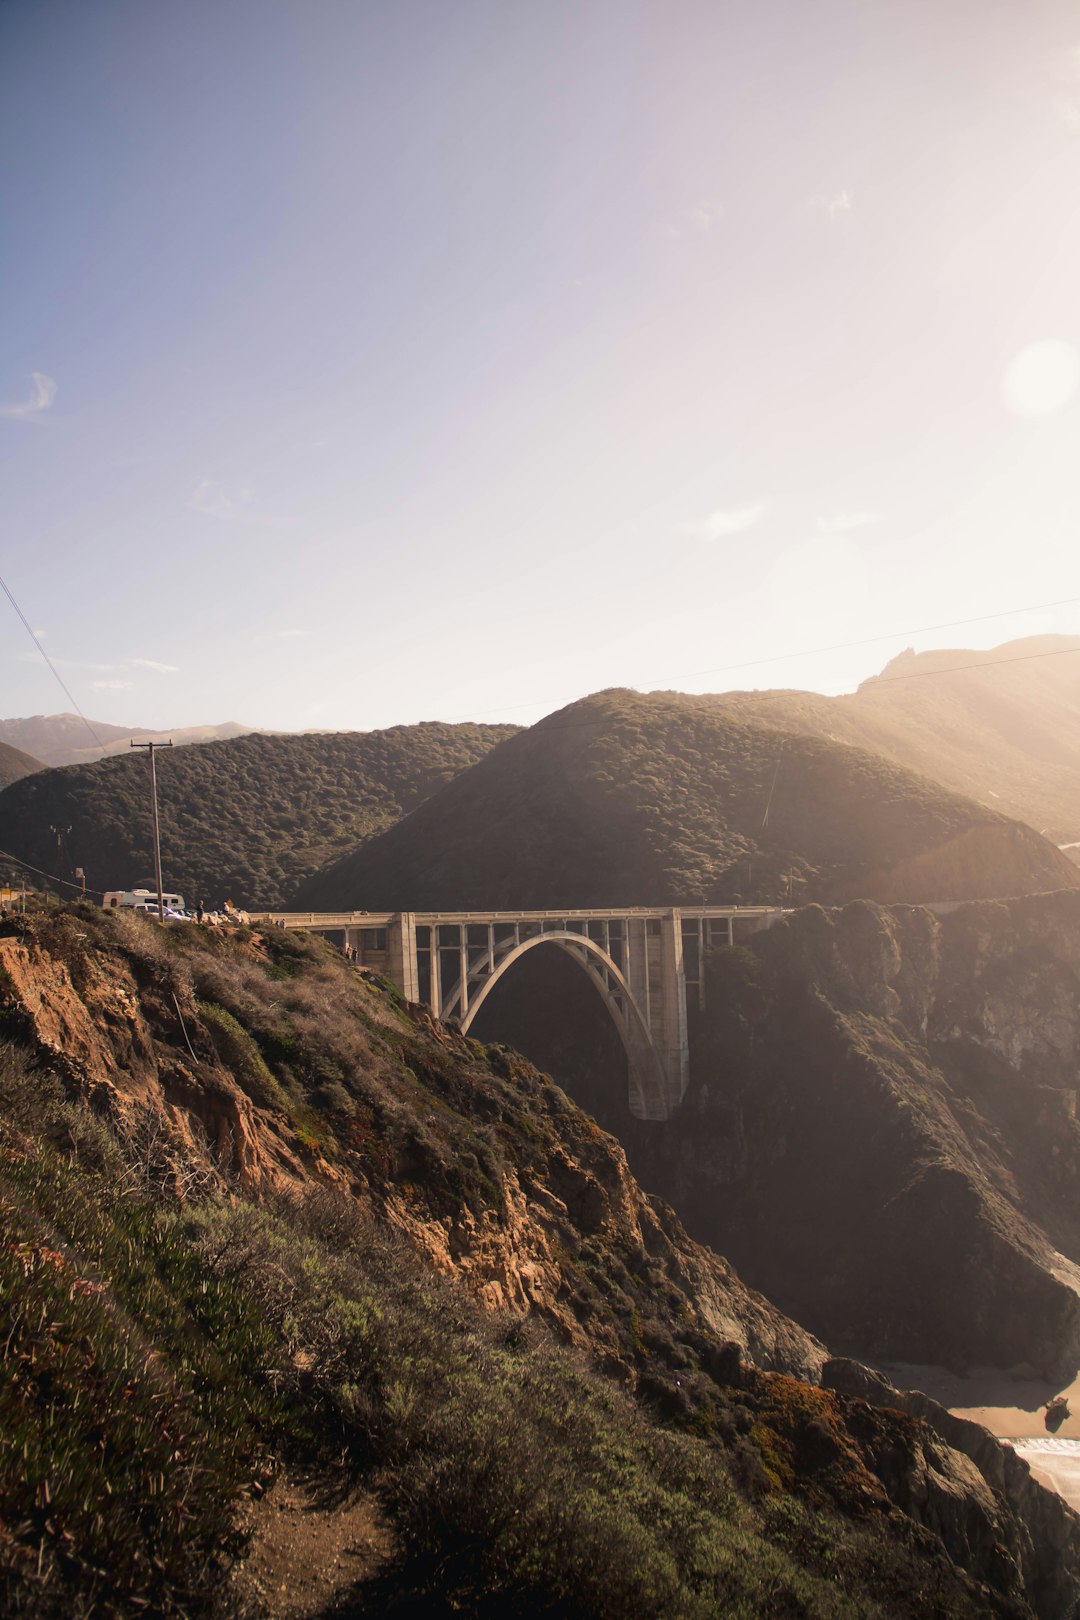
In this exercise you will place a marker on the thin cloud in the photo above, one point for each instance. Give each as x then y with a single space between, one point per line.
288 635
705 215
217 501
845 522
835 206
721 524
152 663
42 394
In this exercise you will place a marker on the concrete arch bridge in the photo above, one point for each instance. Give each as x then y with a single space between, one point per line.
643 961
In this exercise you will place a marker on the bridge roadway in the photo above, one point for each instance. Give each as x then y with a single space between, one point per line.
644 961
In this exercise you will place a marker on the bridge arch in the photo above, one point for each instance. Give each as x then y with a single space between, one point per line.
648 1098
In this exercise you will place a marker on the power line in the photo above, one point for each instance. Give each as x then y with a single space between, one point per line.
986 663
837 646
923 674
877 680
52 666
6 855
869 641
772 789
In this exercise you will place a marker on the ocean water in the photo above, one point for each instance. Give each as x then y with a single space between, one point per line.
1055 1462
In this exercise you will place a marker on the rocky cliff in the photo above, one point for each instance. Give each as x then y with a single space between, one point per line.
489 1170
881 1131
1042 1537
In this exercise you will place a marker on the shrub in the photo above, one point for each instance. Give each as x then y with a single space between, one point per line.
239 1053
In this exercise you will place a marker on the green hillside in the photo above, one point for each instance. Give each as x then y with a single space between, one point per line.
631 799
14 765
244 819
1002 726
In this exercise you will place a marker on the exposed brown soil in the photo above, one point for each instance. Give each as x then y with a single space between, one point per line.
309 1546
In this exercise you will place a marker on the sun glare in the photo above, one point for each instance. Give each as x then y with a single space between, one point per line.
1042 378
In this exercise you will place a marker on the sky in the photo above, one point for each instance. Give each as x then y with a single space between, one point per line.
363 363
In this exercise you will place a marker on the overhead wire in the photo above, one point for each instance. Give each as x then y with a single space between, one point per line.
62 683
772 788
844 646
980 663
892 635
17 860
754 697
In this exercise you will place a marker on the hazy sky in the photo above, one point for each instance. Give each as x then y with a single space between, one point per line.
369 362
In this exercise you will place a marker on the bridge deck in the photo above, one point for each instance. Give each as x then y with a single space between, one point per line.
381 919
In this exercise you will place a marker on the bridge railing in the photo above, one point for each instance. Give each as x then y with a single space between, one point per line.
381 919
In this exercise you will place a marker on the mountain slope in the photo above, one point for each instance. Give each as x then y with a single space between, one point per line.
244 819
631 799
1002 726
304 1232
14 765
63 739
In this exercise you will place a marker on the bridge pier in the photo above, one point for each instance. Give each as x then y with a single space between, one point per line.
671 1035
401 951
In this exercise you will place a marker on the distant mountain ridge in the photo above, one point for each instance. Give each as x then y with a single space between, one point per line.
65 739
1000 725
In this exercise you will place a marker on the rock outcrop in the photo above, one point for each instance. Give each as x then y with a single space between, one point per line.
975 1492
880 1129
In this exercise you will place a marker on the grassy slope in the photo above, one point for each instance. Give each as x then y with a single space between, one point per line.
164 1353
1005 733
630 799
243 819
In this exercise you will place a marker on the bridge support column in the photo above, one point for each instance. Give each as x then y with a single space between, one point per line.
637 962
401 947
435 1001
669 1029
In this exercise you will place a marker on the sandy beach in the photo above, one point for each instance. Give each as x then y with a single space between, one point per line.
1012 1409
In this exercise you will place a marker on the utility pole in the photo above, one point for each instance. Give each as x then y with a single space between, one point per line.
150 746
61 834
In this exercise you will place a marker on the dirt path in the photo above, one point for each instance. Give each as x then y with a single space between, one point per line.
308 1547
